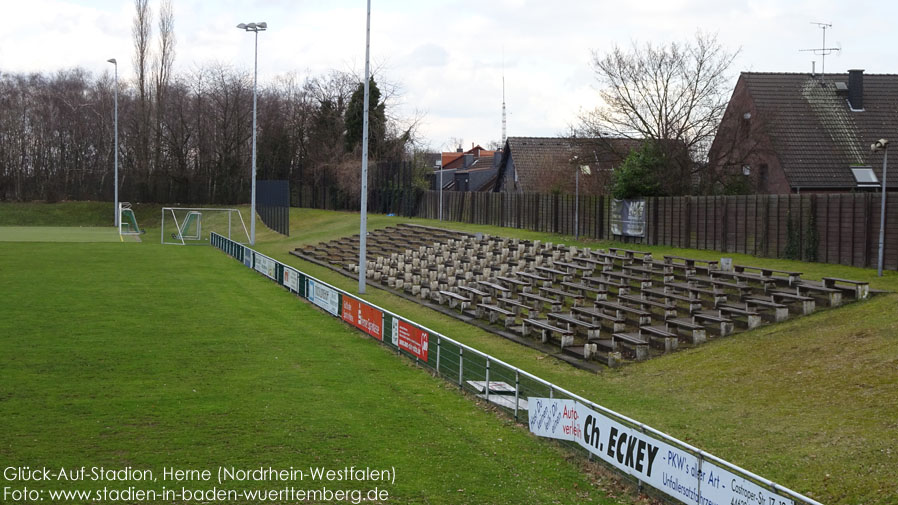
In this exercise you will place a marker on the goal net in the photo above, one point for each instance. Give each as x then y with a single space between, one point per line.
127 221
194 225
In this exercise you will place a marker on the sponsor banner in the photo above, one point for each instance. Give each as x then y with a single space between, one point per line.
265 266
324 296
248 256
628 217
410 339
657 463
291 279
363 316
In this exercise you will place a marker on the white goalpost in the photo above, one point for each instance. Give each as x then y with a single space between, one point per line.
127 223
194 225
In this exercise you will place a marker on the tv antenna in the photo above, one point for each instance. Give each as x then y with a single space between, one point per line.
503 97
823 51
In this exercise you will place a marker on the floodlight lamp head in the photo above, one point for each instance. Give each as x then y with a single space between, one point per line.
242 26
112 60
879 145
262 26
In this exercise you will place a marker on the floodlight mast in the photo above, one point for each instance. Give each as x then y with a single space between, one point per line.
255 28
363 226
118 217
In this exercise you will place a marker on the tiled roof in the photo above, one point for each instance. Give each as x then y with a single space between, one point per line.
814 132
535 158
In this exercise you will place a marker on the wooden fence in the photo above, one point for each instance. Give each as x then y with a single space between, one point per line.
830 228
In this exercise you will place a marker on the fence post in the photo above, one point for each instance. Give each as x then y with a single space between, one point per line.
698 478
487 379
461 364
439 347
517 391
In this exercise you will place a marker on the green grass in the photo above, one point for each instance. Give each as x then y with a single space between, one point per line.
58 234
811 403
147 356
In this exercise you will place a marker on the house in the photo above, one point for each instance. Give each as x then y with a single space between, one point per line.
791 133
471 170
547 164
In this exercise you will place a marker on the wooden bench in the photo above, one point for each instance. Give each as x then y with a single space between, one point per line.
860 290
694 332
454 299
670 310
697 291
584 269
780 312
583 289
494 312
721 285
497 290
642 317
603 283
557 275
617 323
514 283
688 264
752 318
534 278
725 324
592 329
560 295
694 303
661 336
832 296
481 296
808 305
765 281
636 344
516 305
545 328
538 301
786 276
644 282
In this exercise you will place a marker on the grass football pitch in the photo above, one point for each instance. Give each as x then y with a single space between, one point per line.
144 356
106 348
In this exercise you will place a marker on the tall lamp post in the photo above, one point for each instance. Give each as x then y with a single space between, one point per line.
363 225
882 145
255 28
115 149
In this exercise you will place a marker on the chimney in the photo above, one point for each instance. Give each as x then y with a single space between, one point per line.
856 89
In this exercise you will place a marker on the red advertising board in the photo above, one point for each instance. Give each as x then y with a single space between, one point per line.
412 340
364 317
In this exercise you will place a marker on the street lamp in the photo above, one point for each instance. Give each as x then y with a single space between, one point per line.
115 150
882 145
255 28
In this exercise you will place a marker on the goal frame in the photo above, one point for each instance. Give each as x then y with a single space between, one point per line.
179 238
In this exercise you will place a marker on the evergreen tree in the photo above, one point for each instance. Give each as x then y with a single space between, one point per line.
376 119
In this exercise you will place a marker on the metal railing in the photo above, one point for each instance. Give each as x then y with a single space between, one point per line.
477 372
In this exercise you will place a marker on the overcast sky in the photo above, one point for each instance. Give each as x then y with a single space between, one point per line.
448 54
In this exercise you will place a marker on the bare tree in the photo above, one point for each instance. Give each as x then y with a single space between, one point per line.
141 32
674 95
162 72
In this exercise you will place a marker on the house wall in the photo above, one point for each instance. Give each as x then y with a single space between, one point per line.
740 141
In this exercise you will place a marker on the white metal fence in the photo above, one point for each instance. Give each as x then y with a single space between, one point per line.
655 459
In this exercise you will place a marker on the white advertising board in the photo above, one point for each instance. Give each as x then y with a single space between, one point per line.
291 279
654 462
324 297
265 266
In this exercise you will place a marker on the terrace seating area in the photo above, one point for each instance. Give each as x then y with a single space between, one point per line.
608 305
